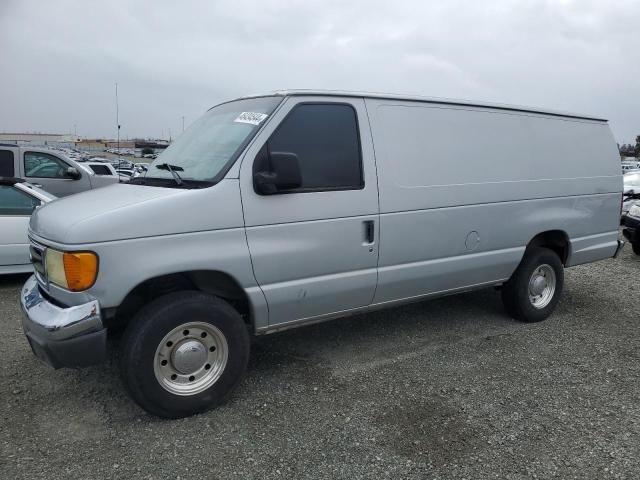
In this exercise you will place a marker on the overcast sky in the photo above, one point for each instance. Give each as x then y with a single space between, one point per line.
61 59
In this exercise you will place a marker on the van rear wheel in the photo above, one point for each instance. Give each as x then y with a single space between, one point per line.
184 353
534 289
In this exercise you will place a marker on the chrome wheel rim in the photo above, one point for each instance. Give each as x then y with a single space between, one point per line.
191 358
542 286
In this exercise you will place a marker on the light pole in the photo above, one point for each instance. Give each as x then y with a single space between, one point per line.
182 123
118 124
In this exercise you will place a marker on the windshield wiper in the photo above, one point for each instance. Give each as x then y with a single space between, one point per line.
174 169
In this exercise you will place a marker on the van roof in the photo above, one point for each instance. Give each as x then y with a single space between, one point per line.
432 100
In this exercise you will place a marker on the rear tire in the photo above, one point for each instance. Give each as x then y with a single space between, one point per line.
184 353
534 289
635 246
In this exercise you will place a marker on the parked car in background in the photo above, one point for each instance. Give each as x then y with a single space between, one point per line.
631 222
630 165
72 153
48 169
18 200
119 163
631 186
100 168
125 174
273 211
140 169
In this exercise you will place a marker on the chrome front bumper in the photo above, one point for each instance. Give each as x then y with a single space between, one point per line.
62 337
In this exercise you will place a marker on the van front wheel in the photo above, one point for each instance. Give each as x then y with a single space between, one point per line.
533 291
184 353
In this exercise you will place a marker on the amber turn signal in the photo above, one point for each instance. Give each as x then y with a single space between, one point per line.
81 269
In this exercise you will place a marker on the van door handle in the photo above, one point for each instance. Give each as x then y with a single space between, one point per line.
369 232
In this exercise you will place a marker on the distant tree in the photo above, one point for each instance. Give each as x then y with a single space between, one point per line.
148 151
628 150
637 148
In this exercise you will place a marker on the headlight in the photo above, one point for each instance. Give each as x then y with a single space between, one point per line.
75 271
634 211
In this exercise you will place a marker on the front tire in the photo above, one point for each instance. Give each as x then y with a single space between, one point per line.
184 353
534 289
635 246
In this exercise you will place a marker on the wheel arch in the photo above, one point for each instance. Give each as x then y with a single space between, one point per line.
555 240
213 282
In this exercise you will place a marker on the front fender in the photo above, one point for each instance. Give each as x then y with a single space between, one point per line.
125 264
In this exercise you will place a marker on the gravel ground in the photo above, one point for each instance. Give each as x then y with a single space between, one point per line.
449 388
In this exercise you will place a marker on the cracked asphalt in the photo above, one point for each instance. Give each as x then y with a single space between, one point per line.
448 388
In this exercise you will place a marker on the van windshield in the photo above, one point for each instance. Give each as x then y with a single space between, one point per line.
205 150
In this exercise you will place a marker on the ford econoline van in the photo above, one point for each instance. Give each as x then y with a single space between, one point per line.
280 210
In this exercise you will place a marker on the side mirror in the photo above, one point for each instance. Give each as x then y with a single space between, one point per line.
284 174
72 172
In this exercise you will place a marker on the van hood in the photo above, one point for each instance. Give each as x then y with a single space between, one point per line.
125 211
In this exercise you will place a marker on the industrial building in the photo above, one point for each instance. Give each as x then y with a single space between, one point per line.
52 139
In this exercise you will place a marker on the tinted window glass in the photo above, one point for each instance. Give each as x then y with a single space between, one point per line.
325 139
100 169
6 163
15 202
43 165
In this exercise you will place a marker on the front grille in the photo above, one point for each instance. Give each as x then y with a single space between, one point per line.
36 252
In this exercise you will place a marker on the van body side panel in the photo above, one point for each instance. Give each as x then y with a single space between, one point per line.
444 257
431 156
463 190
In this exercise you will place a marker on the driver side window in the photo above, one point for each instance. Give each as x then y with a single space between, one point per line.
324 138
43 165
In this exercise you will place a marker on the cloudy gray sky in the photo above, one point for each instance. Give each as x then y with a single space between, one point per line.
61 59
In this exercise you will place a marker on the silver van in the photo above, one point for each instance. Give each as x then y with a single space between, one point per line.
48 169
296 207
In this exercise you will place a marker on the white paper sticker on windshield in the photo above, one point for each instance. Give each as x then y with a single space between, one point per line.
253 118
